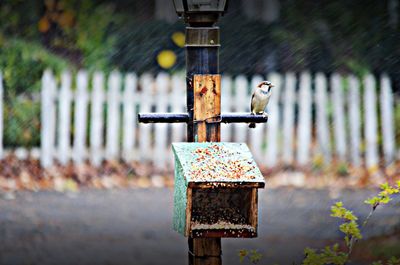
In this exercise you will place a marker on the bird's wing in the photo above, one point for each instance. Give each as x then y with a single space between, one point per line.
252 103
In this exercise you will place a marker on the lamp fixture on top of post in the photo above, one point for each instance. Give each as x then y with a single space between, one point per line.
200 12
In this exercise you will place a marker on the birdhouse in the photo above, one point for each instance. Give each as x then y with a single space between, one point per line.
216 187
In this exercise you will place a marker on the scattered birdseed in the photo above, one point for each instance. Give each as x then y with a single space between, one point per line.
223 225
218 162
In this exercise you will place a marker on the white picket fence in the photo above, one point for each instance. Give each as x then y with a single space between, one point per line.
306 120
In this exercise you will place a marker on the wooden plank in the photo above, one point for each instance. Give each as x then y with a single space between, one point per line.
207 107
64 119
113 115
322 120
288 118
189 202
48 111
160 159
241 104
354 120
146 98
253 209
387 120
1 116
97 116
370 121
256 135
129 118
272 152
81 103
339 129
226 106
304 124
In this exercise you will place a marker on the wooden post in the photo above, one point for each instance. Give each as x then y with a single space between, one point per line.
203 102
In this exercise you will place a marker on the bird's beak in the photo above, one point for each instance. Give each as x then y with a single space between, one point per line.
271 85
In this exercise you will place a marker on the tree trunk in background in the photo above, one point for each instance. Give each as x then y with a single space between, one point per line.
164 10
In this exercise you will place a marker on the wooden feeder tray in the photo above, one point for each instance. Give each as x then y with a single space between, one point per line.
215 190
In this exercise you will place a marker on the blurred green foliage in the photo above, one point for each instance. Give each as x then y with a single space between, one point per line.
22 64
345 36
21 122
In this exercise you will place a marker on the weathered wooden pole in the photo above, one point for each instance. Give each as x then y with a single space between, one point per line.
204 109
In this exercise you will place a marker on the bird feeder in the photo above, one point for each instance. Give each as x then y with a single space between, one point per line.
216 186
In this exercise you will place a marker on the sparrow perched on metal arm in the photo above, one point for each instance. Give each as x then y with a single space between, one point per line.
260 99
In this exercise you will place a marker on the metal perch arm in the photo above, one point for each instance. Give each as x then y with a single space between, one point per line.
184 118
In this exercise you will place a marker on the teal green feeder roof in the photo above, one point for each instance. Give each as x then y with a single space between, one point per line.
217 163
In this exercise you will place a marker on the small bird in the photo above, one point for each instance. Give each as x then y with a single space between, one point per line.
260 99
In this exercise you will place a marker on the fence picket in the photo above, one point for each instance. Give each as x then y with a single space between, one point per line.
146 85
322 121
354 120
288 118
1 115
370 120
256 135
226 106
242 104
304 125
129 118
113 117
387 107
272 152
64 119
338 117
162 84
47 119
97 114
178 101
81 102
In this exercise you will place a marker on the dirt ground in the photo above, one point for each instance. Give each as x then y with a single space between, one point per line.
134 226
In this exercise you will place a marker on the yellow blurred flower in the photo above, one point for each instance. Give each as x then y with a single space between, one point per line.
178 38
66 19
166 59
44 25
